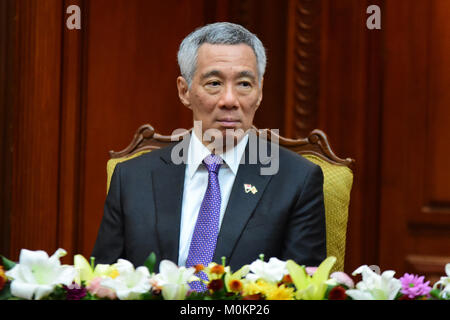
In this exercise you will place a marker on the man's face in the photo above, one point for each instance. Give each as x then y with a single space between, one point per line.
225 91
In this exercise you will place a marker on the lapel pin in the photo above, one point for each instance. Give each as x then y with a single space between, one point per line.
249 188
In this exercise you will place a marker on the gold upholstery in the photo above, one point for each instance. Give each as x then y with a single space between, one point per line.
337 185
338 177
111 165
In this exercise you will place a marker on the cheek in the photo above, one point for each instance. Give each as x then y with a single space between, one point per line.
203 102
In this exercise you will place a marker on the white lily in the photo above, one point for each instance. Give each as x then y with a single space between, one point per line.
173 280
36 275
130 283
272 271
444 283
374 286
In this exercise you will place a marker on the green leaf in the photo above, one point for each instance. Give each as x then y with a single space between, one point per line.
8 264
5 293
150 262
58 294
435 293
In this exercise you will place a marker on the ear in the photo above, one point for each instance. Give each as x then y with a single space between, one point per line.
183 91
260 93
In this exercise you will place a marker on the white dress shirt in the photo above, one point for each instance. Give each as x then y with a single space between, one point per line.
196 182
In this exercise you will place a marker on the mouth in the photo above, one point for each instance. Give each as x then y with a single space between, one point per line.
228 122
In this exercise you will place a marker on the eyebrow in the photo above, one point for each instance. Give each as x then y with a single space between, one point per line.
217 73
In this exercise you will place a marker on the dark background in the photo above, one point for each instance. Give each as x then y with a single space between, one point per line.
67 97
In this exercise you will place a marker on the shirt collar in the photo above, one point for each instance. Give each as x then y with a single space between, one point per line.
197 152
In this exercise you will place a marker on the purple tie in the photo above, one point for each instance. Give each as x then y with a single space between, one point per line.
206 229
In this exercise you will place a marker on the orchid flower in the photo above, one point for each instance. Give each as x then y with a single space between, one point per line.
374 286
310 287
272 271
173 280
36 275
444 283
87 273
129 284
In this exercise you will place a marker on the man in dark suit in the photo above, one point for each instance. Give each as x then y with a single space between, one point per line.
216 202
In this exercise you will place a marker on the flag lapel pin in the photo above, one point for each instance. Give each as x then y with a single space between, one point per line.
249 188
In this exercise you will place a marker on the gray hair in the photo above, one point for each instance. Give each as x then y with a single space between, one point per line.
218 33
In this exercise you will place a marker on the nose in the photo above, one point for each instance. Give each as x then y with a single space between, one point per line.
229 98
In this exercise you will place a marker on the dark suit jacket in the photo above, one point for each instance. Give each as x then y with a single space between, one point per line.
285 218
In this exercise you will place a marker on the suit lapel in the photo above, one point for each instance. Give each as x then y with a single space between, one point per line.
240 207
168 183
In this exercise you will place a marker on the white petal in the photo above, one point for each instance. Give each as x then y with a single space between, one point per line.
167 267
174 292
23 290
169 291
188 274
102 269
124 295
252 277
65 275
31 258
13 273
124 266
360 269
359 295
447 269
54 259
42 291
143 271
395 288
388 274
25 274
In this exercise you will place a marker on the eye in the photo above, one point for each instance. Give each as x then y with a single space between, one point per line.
245 84
214 83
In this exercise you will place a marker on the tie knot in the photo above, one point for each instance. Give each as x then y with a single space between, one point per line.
212 163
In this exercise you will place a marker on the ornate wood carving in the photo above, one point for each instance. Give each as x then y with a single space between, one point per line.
302 72
315 143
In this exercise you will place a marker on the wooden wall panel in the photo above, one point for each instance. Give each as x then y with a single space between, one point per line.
71 126
35 88
131 71
349 109
6 17
415 202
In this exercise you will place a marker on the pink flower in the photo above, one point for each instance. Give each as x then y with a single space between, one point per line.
342 278
310 270
413 286
102 292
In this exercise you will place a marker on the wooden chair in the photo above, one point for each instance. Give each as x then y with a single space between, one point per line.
338 175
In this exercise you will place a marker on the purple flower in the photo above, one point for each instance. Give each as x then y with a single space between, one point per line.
74 291
413 286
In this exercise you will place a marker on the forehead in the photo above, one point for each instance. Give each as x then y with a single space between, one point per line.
239 56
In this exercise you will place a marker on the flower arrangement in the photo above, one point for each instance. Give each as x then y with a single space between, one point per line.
38 276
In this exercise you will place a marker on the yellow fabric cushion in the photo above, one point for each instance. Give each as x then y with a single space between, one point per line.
337 185
111 165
